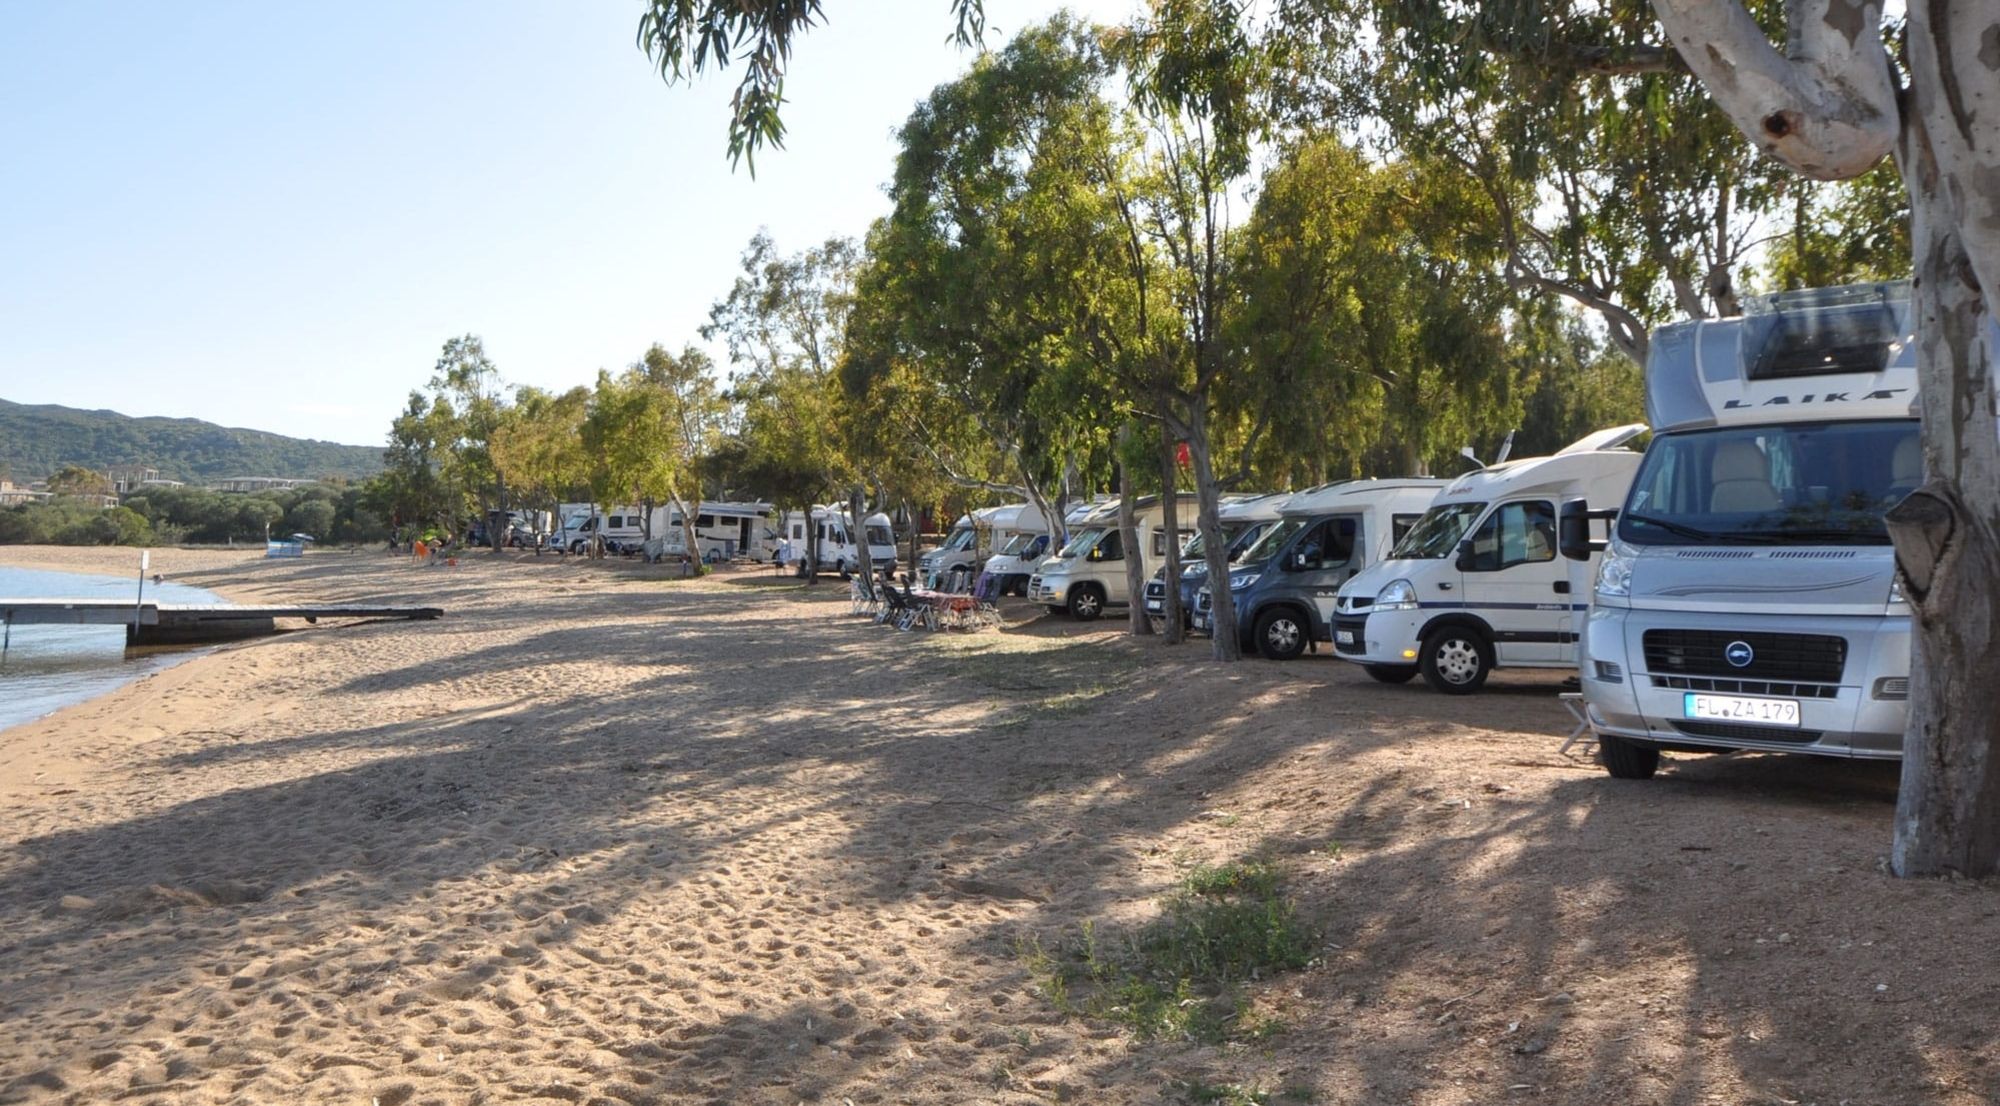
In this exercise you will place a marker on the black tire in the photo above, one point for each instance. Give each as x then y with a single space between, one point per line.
1456 660
1627 760
1086 603
1282 634
1391 673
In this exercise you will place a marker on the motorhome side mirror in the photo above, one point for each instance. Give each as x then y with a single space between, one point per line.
1095 555
1298 562
1466 558
1573 531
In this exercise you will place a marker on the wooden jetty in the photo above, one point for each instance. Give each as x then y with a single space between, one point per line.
151 623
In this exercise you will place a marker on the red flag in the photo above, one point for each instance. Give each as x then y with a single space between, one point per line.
1181 455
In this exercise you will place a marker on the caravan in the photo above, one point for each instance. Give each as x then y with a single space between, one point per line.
1013 566
1284 586
838 551
620 527
1747 598
1476 584
1244 519
1089 573
724 531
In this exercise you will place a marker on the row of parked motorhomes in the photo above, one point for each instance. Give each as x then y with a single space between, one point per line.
1731 587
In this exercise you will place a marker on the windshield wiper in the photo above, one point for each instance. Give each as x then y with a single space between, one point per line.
1823 533
1672 527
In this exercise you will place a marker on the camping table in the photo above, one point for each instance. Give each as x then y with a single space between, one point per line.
946 603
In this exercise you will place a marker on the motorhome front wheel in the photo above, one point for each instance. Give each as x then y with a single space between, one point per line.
1626 760
1281 634
1085 603
1456 661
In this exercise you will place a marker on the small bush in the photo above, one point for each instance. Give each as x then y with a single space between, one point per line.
1177 977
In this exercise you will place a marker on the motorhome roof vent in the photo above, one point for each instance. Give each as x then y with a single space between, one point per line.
1825 331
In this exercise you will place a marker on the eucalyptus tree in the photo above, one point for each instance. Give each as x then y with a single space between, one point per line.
695 414
1831 102
537 446
784 324
991 264
468 393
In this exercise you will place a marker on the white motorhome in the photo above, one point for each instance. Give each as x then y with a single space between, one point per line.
1284 586
838 549
1089 573
1747 598
1477 583
982 535
619 526
724 531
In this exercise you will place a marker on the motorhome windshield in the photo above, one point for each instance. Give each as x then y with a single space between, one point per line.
1801 483
961 538
1438 533
1082 543
1194 549
1017 544
878 534
1273 540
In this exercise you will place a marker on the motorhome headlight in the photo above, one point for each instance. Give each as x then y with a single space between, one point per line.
1400 595
1614 572
1244 580
1189 572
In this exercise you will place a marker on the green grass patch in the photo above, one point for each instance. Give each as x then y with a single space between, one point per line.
1221 926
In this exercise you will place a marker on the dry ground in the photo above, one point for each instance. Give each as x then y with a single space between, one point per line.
603 838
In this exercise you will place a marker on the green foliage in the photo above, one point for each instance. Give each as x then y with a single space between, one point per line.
1178 977
63 521
684 38
37 440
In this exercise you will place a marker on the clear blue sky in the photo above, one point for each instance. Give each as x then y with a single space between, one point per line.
272 215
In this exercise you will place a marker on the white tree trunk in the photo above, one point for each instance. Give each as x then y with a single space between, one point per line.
1829 109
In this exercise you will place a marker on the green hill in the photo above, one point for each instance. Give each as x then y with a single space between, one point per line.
38 439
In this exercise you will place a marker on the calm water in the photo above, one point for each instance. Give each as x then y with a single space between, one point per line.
48 667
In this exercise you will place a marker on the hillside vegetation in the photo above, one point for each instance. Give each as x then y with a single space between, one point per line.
38 439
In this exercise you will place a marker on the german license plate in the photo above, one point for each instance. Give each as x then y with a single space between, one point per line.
1742 708
1155 606
1343 637
1200 621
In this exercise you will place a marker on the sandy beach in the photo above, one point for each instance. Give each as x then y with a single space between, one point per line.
598 837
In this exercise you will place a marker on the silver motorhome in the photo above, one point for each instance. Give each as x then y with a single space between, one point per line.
1746 598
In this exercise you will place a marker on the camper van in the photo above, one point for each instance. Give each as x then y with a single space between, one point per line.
620 527
979 536
1285 584
1747 598
1013 564
724 531
837 549
1477 584
1089 573
1244 519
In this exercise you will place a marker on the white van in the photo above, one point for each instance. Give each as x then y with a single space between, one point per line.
1748 597
837 549
1089 573
1477 583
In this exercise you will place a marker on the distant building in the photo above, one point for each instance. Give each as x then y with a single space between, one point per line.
260 483
127 478
13 495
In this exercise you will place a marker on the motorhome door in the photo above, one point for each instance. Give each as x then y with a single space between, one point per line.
1515 582
1320 560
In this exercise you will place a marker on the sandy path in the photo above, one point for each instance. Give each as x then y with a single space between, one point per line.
599 838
